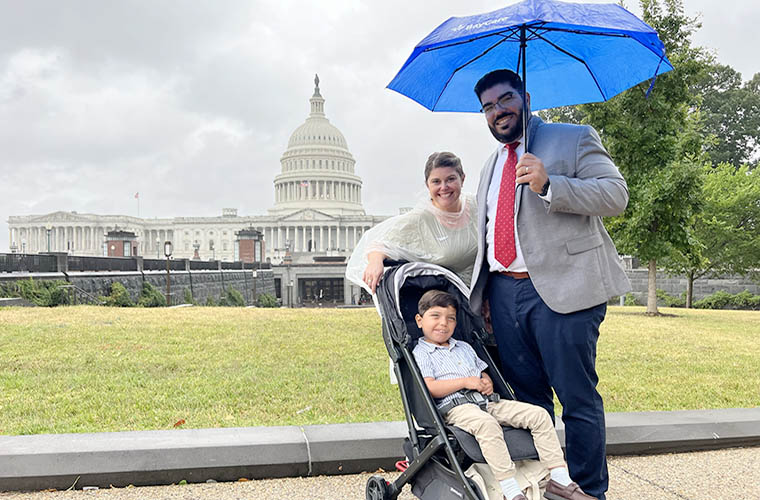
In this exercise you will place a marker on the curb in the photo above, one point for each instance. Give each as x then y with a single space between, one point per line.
196 455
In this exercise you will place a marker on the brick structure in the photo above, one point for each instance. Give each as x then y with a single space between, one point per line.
121 243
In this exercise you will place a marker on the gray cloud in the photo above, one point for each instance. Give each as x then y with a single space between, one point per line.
192 103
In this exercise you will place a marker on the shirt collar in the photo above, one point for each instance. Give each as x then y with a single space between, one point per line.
519 150
432 347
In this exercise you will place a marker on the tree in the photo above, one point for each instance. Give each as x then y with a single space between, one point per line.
732 114
656 140
725 235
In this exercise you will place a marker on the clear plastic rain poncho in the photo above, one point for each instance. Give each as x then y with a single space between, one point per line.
424 234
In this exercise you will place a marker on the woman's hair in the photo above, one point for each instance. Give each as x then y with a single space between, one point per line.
436 298
443 159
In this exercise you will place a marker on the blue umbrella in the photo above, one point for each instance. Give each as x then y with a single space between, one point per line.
568 53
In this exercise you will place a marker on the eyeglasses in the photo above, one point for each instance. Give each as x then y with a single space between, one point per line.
502 102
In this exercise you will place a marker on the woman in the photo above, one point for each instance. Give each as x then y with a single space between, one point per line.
441 229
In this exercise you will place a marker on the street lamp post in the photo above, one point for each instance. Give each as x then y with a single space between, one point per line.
168 253
290 293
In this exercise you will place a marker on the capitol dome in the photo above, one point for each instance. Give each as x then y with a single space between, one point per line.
317 168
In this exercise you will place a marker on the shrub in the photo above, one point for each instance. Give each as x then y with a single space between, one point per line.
267 300
671 300
150 296
718 300
745 300
210 301
189 297
119 296
42 292
234 298
630 300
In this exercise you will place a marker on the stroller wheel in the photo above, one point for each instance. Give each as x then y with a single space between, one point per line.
377 489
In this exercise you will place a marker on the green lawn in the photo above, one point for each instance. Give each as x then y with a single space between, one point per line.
92 369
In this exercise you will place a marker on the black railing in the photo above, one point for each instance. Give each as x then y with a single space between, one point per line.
19 262
257 265
160 264
77 263
200 265
42 263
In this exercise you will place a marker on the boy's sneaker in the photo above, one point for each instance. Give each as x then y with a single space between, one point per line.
555 491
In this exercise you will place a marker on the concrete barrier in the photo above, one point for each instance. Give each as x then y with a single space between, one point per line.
197 455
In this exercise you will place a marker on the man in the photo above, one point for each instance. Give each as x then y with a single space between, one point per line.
546 266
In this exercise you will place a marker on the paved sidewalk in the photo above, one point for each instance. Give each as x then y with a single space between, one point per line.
729 474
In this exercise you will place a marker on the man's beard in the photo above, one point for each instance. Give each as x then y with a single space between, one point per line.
513 135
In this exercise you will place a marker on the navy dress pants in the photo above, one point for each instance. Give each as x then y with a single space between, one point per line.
541 350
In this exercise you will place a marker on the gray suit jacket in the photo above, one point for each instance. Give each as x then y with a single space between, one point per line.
571 259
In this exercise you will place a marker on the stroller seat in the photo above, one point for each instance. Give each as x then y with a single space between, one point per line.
438 453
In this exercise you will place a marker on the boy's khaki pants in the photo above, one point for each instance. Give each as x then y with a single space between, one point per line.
486 427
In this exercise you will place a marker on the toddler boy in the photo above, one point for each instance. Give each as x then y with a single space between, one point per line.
450 366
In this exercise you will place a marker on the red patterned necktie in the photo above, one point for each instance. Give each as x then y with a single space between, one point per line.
504 226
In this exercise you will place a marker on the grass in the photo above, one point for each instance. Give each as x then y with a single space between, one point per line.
94 369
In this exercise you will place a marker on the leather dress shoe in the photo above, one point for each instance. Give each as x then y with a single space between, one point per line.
518 497
555 491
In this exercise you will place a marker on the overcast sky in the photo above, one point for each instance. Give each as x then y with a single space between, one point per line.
191 103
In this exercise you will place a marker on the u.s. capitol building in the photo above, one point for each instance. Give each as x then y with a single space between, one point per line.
317 215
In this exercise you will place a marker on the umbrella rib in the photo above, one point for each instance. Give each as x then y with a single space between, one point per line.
489 49
596 82
511 31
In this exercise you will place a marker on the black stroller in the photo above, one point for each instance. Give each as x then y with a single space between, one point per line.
437 454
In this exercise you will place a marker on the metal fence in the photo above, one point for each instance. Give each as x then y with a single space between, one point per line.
41 263
77 263
198 265
160 264
19 262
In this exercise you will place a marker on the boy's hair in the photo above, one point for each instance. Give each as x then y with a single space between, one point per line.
436 298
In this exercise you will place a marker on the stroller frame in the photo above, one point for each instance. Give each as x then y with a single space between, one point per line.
434 450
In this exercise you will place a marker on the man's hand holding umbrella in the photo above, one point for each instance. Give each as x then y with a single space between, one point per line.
531 171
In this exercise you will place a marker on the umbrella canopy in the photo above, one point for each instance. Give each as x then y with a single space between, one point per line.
568 53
